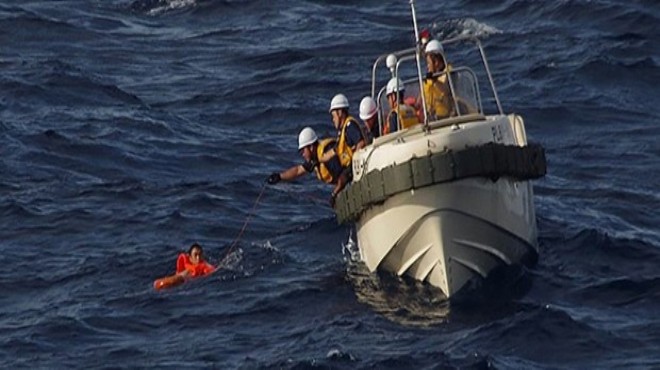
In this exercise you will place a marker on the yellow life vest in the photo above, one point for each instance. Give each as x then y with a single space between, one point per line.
344 151
321 170
406 117
438 96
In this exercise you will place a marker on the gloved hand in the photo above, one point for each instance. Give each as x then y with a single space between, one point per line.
274 178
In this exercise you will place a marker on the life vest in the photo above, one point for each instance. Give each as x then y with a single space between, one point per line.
438 96
322 171
183 263
344 151
406 117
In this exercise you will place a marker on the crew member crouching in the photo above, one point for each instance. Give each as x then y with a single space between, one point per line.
311 149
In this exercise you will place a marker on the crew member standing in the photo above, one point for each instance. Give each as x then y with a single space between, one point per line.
437 93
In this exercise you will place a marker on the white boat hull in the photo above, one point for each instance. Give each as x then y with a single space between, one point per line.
448 234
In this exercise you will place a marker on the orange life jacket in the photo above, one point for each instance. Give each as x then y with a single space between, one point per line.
183 263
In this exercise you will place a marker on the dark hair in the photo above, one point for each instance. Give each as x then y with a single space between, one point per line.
193 246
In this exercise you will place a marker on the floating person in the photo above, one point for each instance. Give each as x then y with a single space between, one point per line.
311 149
192 264
188 266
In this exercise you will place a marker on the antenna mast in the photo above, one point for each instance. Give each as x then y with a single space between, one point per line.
418 54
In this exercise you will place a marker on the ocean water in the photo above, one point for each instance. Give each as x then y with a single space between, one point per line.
130 129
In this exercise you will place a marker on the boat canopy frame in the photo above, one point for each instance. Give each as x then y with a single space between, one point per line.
413 53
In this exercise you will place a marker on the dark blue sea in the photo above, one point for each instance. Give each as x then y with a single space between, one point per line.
131 129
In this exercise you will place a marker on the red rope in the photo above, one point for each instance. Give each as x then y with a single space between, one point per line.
245 224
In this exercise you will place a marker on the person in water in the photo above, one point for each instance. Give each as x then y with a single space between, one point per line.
192 264
311 149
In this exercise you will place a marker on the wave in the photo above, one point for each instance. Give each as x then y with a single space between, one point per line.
620 292
53 143
618 15
592 258
446 29
127 188
58 83
104 190
67 82
12 209
158 7
572 340
602 245
276 59
54 154
20 20
195 7
603 69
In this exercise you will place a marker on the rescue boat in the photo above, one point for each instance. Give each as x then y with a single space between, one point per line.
448 201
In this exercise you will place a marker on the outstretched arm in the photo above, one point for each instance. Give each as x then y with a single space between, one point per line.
293 173
287 175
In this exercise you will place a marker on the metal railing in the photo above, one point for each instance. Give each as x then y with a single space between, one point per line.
412 53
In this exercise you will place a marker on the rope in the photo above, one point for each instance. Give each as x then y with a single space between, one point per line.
245 224
249 217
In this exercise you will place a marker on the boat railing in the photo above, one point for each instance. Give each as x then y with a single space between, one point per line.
465 93
410 54
398 54
418 129
484 60
408 83
464 90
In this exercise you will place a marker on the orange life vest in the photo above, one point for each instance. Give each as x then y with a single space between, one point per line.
183 263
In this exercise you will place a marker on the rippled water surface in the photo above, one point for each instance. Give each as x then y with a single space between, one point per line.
129 130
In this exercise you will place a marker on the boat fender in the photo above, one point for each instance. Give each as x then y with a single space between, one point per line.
491 160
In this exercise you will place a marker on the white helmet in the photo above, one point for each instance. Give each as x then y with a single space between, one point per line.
368 108
339 101
434 47
395 85
307 137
